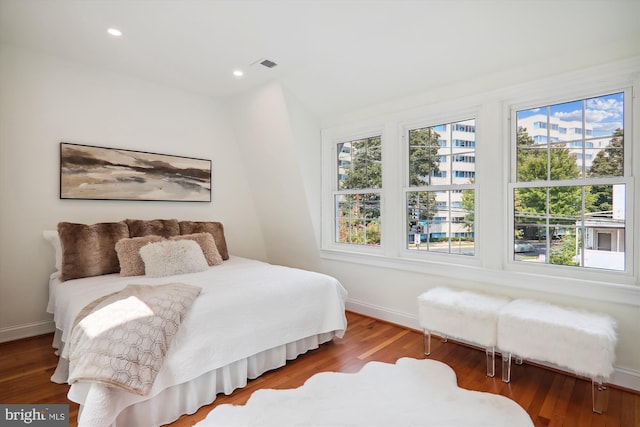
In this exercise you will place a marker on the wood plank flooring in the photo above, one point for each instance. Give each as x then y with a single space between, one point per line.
551 398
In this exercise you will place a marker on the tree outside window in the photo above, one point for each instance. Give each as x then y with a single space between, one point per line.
357 199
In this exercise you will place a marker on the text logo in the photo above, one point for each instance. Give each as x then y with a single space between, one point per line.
53 415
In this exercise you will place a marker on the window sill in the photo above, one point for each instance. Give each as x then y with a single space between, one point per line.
606 291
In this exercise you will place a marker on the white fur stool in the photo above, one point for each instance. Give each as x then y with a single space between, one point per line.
579 341
463 315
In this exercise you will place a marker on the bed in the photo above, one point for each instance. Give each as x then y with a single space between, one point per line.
249 317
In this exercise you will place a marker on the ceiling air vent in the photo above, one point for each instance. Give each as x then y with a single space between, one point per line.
267 63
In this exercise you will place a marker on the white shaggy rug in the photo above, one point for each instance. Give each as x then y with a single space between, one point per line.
412 392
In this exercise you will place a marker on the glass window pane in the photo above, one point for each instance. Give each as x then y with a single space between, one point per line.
441 221
424 155
442 157
564 248
343 163
606 143
565 206
604 227
585 138
532 163
358 218
531 205
562 163
360 164
579 225
569 235
529 243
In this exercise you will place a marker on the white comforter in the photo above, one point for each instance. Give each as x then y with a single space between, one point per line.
245 307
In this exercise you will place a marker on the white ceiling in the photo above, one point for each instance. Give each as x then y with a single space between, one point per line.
333 55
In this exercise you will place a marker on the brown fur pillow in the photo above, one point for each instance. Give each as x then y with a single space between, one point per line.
158 227
207 244
128 251
89 250
213 228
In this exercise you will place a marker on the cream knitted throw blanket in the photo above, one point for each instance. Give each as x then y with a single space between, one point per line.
121 339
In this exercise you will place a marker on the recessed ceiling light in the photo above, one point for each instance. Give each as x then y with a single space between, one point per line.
238 73
114 32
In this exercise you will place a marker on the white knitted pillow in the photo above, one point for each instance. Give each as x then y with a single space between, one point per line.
170 257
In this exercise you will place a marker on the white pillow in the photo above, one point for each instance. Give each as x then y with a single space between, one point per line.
170 257
52 237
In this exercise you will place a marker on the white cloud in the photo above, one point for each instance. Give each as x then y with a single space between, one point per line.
606 127
610 105
601 113
569 115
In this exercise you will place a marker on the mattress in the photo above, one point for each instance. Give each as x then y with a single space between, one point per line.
249 318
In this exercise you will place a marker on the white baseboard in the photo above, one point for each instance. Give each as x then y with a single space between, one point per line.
25 331
626 378
621 377
391 316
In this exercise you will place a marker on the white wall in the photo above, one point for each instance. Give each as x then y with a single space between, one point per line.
280 145
44 101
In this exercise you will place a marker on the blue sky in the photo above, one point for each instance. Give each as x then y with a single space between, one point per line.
604 113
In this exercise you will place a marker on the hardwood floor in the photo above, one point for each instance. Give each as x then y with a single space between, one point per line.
551 398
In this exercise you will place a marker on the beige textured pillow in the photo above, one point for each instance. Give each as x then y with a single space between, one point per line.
207 244
171 257
128 251
214 228
153 227
89 250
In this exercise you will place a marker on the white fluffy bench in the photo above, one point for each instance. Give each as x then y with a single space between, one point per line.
463 315
579 341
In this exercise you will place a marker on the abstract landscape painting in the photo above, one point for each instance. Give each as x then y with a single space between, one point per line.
99 173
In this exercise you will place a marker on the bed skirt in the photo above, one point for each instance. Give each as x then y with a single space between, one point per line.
99 405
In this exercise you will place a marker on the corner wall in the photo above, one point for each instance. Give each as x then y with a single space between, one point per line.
280 145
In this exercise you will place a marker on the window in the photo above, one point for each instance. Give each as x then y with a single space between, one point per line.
463 143
464 159
357 196
569 193
440 205
464 174
463 127
469 193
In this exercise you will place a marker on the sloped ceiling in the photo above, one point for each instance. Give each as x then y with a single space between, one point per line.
333 55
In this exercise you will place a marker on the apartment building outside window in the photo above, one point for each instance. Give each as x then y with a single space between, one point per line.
440 190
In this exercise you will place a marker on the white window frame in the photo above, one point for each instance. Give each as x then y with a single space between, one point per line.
331 139
558 97
433 120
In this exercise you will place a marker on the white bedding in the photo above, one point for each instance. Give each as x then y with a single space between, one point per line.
246 307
